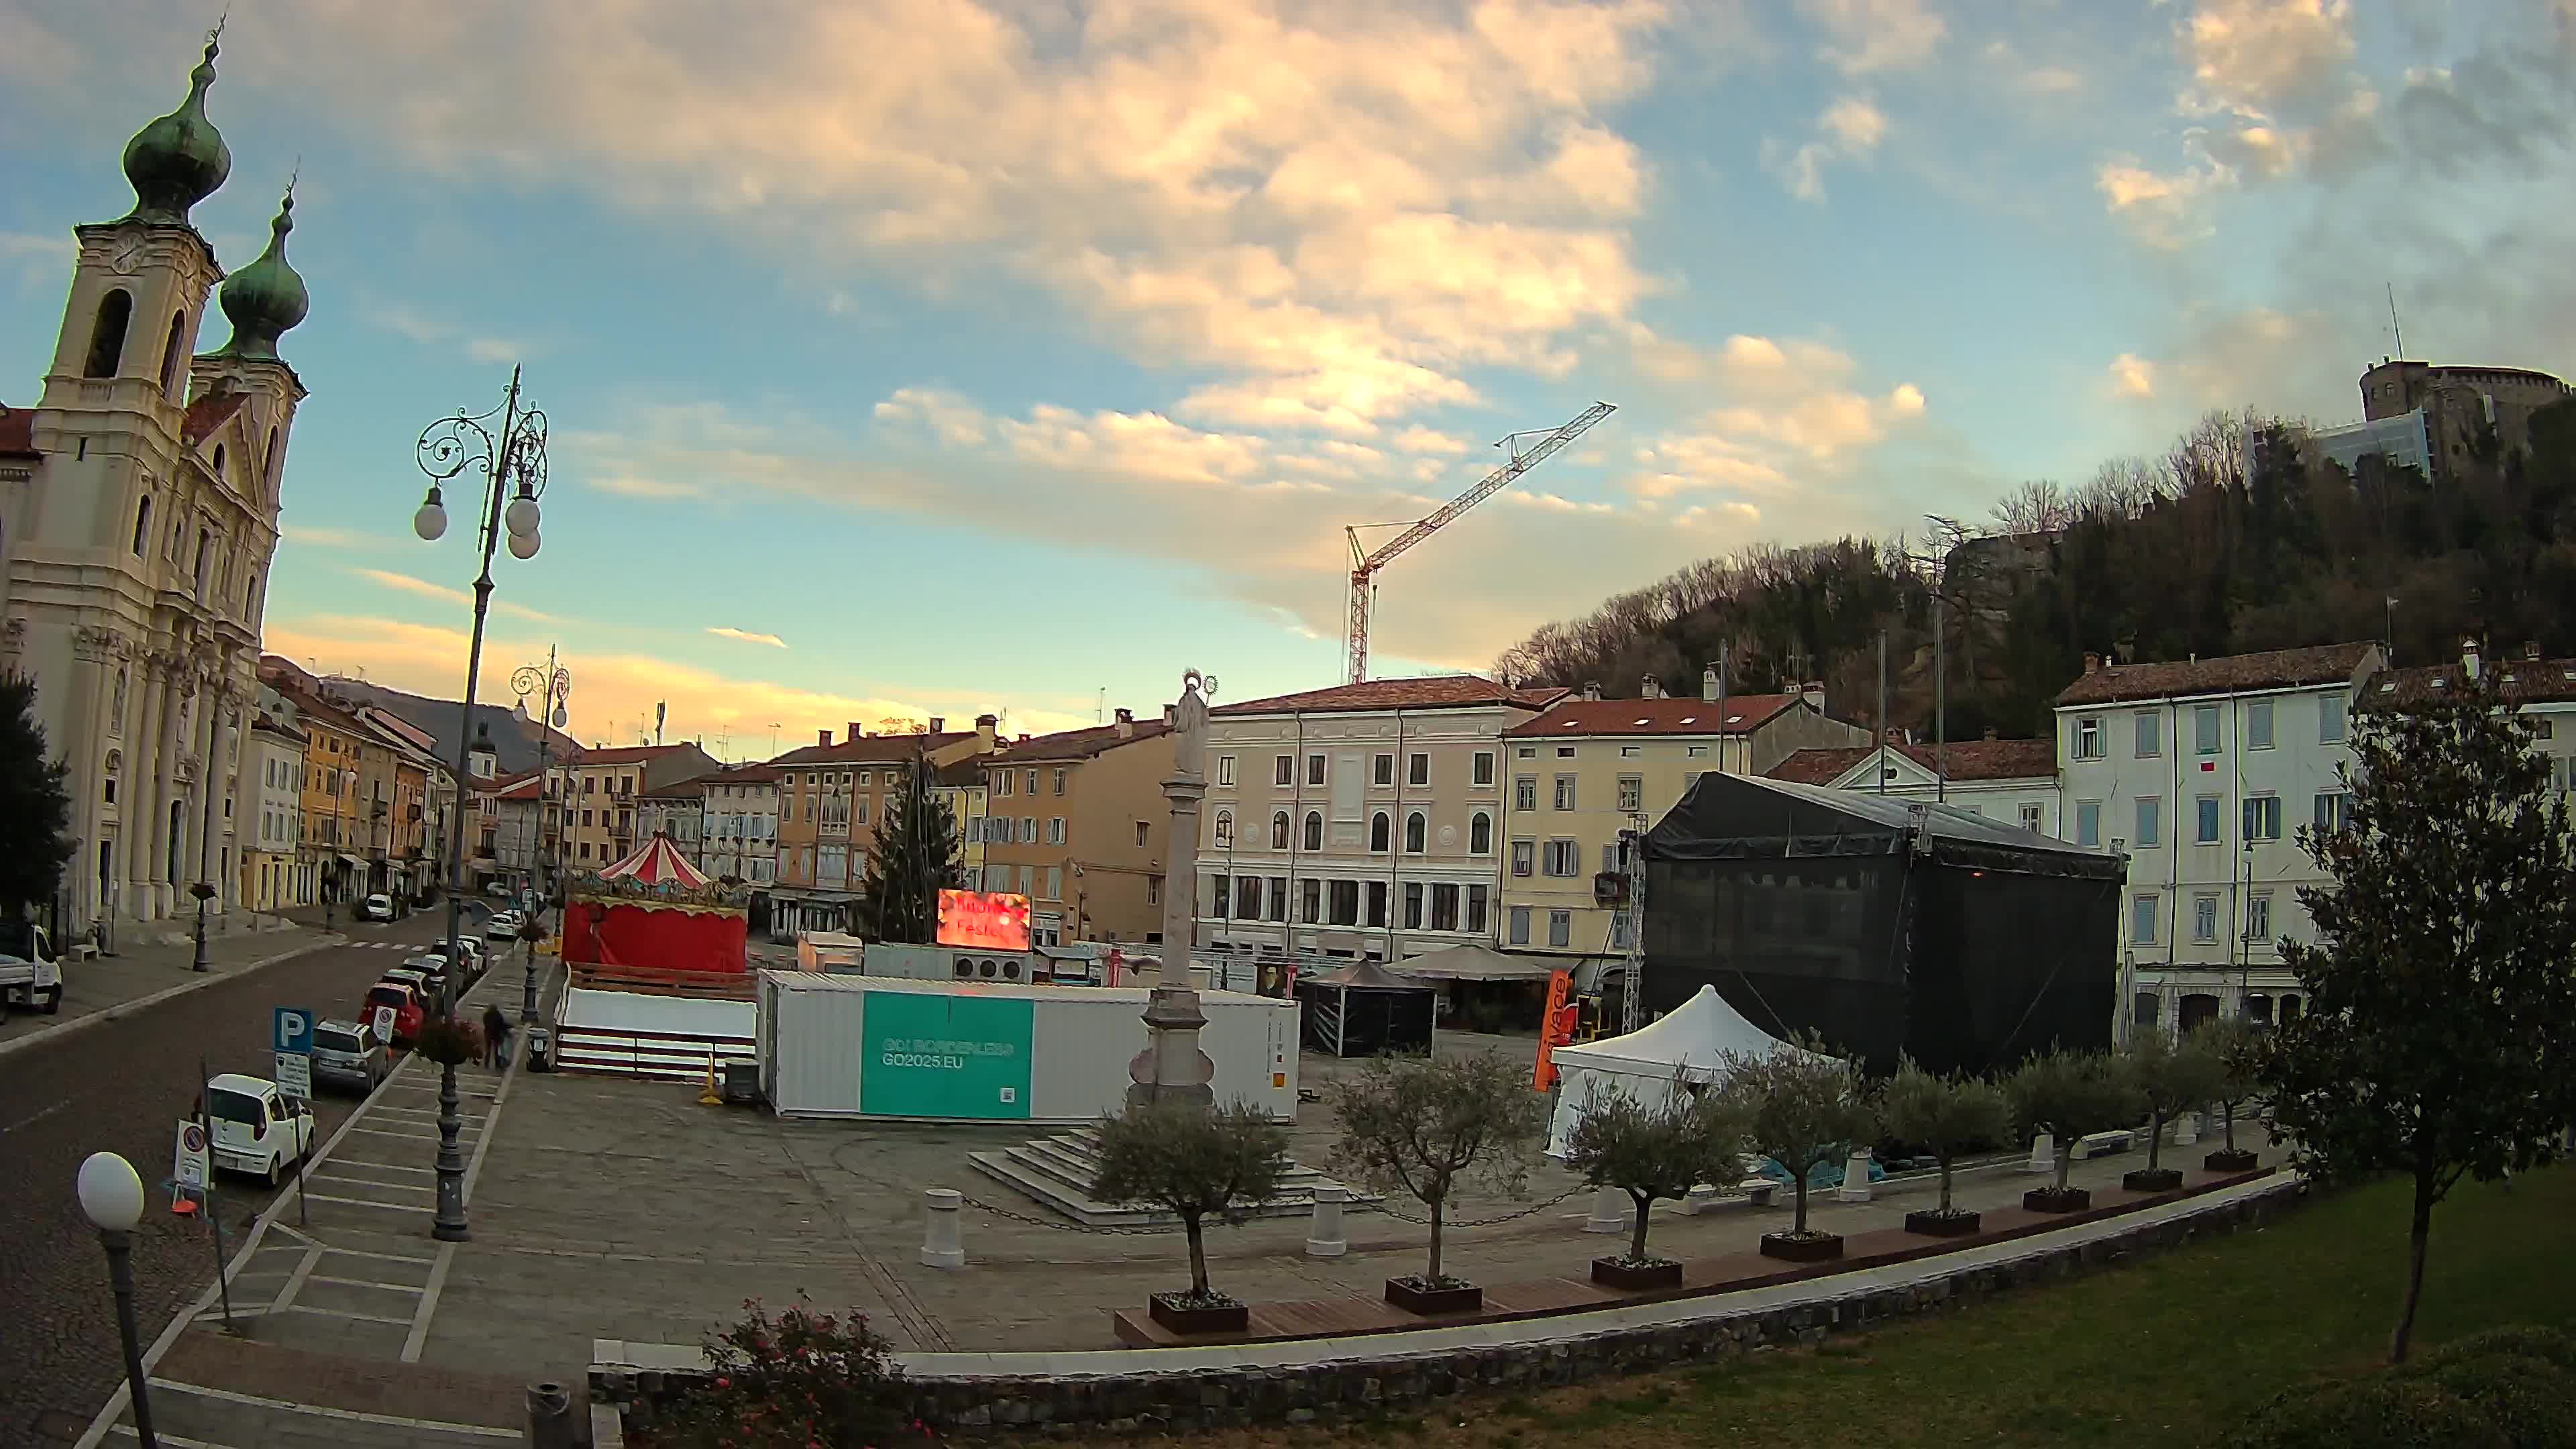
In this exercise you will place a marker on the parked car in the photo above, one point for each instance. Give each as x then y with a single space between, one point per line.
405 1005
426 975
347 1054
378 907
502 926
256 1129
30 975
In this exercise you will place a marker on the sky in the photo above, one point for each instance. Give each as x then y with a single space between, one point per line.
931 357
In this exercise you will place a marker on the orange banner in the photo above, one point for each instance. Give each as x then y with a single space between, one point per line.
1554 1029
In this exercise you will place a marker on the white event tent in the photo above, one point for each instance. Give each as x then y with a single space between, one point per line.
1688 1042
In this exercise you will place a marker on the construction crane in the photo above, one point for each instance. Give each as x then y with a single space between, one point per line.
1365 563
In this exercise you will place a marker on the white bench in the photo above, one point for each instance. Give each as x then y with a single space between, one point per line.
1757 1191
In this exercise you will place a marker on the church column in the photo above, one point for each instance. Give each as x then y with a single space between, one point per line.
170 835
144 809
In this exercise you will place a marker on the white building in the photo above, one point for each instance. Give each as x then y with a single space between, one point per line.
2010 781
2203 771
138 504
274 878
739 827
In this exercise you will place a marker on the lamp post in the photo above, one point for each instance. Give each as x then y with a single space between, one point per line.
112 1198
555 684
204 890
517 456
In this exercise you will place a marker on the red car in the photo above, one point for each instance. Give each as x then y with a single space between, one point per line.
399 999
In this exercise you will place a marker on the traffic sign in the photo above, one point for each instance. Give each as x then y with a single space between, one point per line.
385 1024
295 1075
190 1167
292 1031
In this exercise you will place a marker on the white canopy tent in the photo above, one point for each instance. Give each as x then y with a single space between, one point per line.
1690 1041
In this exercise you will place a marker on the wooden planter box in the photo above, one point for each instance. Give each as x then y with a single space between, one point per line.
2152 1179
1936 1224
1820 1249
1636 1277
1179 1317
2223 1160
2050 1200
1407 1294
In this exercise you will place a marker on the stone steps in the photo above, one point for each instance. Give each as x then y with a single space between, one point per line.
1057 1171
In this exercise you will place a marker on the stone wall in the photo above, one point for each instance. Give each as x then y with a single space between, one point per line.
1400 1377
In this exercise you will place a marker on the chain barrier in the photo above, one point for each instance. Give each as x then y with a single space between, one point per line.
1038 1222
1540 1207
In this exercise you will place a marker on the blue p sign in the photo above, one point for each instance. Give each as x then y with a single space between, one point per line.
293 1034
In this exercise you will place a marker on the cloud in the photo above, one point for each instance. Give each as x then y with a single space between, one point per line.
2253 57
410 322
1875 35
1850 129
748 637
405 583
628 485
1428 440
315 537
2132 376
2163 209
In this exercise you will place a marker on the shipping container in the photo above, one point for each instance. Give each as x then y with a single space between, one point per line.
841 1046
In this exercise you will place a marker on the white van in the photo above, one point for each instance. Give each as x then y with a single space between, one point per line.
257 1130
30 976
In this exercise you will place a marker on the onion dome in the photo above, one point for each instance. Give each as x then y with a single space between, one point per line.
266 298
178 160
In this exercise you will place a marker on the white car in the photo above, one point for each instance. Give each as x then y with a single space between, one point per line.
257 1130
378 907
503 926
30 975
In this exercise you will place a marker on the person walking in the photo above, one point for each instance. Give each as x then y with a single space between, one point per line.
496 1033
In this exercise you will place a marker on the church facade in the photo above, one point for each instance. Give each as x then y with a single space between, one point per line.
138 520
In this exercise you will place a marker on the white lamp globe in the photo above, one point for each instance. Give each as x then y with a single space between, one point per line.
523 545
110 1193
521 516
431 521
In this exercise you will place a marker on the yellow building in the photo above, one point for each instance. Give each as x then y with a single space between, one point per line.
601 808
962 786
1077 823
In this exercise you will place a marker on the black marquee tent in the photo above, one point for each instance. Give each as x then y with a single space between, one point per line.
1363 1010
1887 925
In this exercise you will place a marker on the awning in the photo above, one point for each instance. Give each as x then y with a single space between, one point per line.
1477 963
352 862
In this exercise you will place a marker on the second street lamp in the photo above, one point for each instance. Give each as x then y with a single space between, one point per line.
556 684
515 458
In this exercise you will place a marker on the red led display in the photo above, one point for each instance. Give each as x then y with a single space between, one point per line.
984 921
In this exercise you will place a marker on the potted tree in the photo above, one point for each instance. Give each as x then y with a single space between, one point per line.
2171 1077
1802 1109
1192 1163
2069 1095
1945 1116
1423 1126
1695 1134
2238 1046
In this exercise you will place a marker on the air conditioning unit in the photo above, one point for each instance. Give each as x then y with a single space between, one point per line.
1610 888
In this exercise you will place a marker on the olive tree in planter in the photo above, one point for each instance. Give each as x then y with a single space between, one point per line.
1194 1164
1695 1134
1802 1108
2172 1076
1945 1116
2236 1045
1424 1126
2069 1096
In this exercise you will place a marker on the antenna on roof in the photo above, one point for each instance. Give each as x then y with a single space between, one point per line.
2393 324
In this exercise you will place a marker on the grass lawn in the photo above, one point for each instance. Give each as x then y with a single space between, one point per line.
2170 1350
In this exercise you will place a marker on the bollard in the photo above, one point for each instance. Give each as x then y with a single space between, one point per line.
2186 1129
1609 1212
1325 1235
1855 1186
550 1421
940 1244
2043 1157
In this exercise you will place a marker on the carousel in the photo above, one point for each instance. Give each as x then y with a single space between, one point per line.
653 911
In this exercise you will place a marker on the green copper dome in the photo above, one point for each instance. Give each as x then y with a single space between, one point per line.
266 298
178 160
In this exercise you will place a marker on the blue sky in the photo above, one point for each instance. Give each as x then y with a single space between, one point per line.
926 356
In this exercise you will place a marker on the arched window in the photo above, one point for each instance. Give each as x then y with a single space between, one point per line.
1414 827
1279 830
115 766
1314 830
142 524
219 462
1378 830
116 715
205 554
268 462
250 596
171 354
1225 830
107 335
1480 834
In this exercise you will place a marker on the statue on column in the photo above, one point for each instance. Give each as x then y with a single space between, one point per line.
1172 1068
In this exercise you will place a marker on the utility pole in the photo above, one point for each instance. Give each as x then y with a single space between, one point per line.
1940 682
1882 711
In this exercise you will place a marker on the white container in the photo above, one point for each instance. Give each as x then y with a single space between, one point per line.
829 951
823 1050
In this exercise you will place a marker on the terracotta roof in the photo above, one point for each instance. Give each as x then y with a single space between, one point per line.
743 775
1576 718
280 728
1081 744
2525 681
963 774
509 787
2228 674
693 788
17 432
872 749
1441 691
209 413
1966 759
626 754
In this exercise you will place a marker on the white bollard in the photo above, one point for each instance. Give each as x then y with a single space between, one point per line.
2186 1129
940 1245
2043 1154
1609 1211
1325 1235
1855 1186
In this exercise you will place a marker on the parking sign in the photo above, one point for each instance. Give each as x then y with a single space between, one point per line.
293 1031
189 1168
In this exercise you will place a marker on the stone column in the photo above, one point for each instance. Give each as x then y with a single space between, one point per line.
177 693
941 1245
1325 1235
1855 1184
1171 1068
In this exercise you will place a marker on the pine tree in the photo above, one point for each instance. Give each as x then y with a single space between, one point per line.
35 808
2439 1040
915 857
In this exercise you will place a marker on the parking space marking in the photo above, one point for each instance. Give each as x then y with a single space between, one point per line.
363 1182
427 1308
391 1207
406 1136
412 1288
351 1416
295 1280
343 1313
175 1441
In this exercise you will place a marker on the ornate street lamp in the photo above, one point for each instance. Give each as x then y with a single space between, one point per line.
555 684
514 459
111 1196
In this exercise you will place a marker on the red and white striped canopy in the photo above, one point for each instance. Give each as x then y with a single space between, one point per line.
656 862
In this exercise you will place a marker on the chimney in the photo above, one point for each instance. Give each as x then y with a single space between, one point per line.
1653 688
823 738
1592 689
855 733
2469 656
939 724
2531 650
2092 663
985 725
1126 725
1813 692
1708 684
